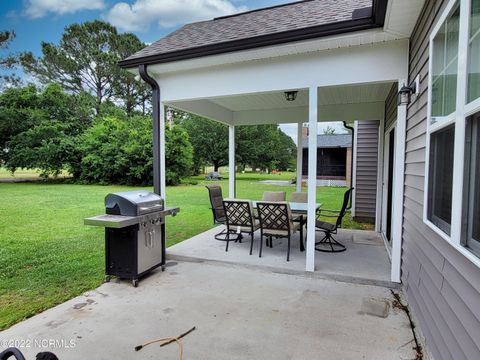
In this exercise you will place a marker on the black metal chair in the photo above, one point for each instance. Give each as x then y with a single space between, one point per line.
276 220
328 243
240 219
219 218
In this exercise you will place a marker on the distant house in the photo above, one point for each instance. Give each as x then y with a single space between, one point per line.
343 163
409 72
334 159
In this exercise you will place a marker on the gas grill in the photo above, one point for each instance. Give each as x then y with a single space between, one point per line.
134 233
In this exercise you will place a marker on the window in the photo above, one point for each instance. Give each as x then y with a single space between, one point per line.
441 178
452 196
474 52
441 128
471 229
445 67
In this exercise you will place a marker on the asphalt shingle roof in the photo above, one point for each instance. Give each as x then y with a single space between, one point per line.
278 19
331 141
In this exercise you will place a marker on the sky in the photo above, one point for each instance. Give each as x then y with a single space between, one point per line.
37 21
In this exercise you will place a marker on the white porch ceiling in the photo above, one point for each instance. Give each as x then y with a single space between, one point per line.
351 102
334 95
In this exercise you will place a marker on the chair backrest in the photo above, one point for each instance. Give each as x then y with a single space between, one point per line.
216 201
341 214
274 196
299 197
238 212
275 216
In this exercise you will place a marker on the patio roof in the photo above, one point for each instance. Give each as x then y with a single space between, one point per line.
274 25
358 102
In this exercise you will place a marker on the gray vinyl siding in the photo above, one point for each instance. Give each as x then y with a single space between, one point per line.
441 285
391 107
366 170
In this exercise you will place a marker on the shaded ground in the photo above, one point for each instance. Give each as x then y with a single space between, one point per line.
365 261
239 313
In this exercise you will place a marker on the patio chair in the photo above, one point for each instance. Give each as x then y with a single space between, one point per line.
299 197
240 219
276 220
328 243
216 202
274 196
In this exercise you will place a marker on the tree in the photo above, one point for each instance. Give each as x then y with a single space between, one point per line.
132 91
264 146
286 155
329 130
18 112
38 130
178 155
119 151
86 61
208 138
8 61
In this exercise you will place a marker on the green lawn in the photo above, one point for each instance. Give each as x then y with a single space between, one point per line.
48 256
22 174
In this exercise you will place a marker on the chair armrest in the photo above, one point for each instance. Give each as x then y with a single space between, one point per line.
330 212
296 217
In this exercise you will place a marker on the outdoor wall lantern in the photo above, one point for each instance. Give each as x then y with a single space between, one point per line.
406 92
291 95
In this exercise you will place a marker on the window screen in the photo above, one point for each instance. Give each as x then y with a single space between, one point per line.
441 178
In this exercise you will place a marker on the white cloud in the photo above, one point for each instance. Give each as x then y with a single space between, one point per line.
167 13
39 8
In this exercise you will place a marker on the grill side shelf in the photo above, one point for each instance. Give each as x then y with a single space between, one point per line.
112 221
121 221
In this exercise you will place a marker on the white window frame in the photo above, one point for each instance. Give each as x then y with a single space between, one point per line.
458 117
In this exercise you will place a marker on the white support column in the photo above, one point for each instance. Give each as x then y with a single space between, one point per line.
398 186
162 152
231 161
312 178
299 156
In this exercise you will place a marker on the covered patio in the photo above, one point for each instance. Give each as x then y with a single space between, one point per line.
327 88
343 64
365 262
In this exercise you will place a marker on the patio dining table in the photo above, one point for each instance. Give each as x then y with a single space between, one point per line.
301 209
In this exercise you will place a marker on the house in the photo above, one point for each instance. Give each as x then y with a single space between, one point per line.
334 159
411 65
340 165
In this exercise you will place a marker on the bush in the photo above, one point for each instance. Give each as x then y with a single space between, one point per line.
178 155
119 151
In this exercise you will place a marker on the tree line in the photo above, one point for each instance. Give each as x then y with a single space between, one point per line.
91 118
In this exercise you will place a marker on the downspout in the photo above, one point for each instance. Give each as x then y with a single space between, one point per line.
352 129
142 69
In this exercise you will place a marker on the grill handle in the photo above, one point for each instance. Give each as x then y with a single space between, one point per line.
149 208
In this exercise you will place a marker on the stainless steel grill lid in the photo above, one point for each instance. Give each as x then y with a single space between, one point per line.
133 203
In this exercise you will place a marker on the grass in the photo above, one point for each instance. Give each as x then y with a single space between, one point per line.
23 174
48 256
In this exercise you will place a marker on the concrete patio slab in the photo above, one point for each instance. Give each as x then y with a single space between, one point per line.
240 313
365 261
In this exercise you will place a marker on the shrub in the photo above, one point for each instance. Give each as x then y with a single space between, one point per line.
120 151
178 155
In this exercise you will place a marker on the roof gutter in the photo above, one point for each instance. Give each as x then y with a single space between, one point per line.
142 69
376 20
